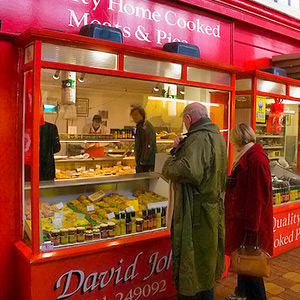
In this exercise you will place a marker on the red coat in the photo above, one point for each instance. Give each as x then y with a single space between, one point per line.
248 201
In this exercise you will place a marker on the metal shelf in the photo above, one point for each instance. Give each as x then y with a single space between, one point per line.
59 183
162 141
270 136
275 157
273 147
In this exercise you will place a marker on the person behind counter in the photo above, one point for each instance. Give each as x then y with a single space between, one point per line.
96 127
145 141
49 144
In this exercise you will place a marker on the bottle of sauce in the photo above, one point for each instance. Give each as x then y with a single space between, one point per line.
154 220
123 224
117 228
158 218
149 217
128 222
144 216
133 220
163 217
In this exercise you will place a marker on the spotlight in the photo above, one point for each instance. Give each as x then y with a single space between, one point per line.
56 75
156 88
81 77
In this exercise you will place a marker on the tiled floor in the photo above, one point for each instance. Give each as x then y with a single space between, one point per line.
284 283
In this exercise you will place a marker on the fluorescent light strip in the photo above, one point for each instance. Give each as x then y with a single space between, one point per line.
181 101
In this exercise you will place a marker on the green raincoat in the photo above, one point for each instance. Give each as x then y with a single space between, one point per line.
198 170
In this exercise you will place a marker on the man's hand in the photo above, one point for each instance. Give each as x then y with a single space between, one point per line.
177 141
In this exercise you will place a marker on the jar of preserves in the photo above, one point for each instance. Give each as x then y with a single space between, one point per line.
55 236
111 229
80 234
72 235
64 237
96 233
139 224
104 231
89 235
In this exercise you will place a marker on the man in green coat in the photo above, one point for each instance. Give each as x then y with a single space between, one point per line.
198 169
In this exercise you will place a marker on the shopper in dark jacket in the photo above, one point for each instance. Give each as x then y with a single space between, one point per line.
145 141
248 206
49 144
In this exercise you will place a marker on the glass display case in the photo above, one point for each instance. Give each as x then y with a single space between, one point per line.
270 104
94 193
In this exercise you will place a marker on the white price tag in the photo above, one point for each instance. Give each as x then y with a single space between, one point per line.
157 204
98 167
57 171
111 215
47 246
57 223
80 216
59 215
129 209
59 205
90 208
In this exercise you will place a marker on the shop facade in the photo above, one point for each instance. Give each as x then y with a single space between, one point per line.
134 266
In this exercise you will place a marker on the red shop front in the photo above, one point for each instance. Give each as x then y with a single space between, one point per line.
256 93
133 264
109 77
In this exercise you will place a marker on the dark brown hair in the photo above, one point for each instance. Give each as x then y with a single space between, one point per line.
140 110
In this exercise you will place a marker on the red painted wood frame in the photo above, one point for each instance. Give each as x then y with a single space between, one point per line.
254 76
37 37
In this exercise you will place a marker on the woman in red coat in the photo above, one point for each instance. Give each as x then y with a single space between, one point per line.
248 206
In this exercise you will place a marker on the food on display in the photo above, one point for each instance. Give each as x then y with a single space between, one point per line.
107 216
164 135
82 173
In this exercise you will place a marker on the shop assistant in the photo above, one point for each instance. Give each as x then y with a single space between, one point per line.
96 127
145 141
49 144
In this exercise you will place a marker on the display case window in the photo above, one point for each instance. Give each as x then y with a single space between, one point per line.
28 54
295 91
271 87
77 56
208 76
152 67
243 84
97 196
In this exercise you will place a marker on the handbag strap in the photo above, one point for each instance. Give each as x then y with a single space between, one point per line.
256 246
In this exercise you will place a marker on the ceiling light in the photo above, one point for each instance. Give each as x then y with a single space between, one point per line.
56 75
81 77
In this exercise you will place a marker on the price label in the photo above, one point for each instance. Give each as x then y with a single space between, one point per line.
47 246
90 208
157 204
59 205
59 215
80 216
57 171
129 209
111 215
57 223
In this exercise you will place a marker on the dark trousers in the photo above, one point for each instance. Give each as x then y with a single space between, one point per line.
253 288
204 295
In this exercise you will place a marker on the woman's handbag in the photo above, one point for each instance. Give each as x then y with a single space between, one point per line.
250 260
